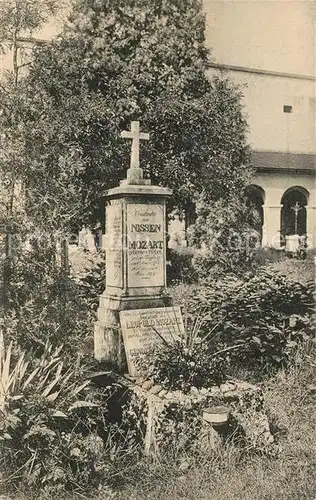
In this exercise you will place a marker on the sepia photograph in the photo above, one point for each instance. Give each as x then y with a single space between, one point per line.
157 249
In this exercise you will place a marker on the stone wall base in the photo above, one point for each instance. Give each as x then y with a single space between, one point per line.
204 419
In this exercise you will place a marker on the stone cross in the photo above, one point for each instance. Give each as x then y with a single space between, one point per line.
135 135
296 208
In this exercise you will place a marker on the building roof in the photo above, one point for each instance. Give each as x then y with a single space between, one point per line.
271 160
259 71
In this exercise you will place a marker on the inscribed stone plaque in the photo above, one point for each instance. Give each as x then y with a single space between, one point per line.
114 260
142 329
145 240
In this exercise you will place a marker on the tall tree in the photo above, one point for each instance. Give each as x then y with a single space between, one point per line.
19 20
119 61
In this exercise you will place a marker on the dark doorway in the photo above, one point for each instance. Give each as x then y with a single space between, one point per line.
293 213
255 197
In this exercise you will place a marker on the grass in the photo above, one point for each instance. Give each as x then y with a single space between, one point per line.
290 398
297 270
229 474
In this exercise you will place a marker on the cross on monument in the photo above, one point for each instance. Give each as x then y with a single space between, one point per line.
296 208
136 136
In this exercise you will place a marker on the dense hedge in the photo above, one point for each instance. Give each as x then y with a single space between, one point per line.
255 325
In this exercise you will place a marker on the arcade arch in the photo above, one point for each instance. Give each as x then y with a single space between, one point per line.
256 197
293 211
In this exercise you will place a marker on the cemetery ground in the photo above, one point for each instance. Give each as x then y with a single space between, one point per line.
230 472
228 475
225 409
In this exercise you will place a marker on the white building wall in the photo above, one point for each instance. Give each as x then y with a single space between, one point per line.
277 35
269 127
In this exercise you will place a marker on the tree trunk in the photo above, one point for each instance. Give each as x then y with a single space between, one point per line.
190 216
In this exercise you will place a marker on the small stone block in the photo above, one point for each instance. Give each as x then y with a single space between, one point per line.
135 176
162 393
155 389
140 381
216 415
293 321
147 385
204 391
228 387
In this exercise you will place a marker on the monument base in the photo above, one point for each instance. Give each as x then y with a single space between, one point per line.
108 343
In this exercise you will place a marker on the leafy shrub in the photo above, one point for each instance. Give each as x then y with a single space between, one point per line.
268 255
262 320
269 316
226 236
92 283
42 303
208 268
54 431
190 360
204 263
179 265
179 367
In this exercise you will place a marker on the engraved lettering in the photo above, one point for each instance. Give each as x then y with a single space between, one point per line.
145 256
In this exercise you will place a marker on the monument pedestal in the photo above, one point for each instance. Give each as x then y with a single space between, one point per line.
135 246
107 331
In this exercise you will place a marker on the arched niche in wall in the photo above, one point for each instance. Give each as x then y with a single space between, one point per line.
256 199
293 213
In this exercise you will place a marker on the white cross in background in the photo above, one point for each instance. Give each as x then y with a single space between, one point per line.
135 135
296 209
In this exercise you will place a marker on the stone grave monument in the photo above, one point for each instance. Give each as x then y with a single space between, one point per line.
135 306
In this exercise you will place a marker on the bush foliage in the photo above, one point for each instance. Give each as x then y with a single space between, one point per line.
180 367
179 266
55 429
43 420
43 303
224 236
259 322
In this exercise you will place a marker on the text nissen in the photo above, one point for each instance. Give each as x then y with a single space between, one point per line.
146 228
